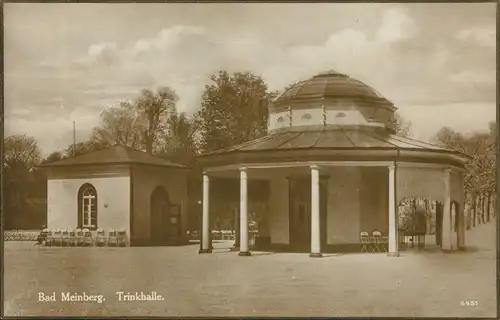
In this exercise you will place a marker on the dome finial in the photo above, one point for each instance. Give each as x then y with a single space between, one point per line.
330 73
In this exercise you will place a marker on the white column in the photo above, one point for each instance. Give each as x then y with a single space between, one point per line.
446 234
461 215
315 220
393 219
244 248
205 241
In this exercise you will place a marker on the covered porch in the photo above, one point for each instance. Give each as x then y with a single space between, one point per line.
325 206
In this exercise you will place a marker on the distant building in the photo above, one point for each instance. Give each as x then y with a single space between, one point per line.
335 168
119 188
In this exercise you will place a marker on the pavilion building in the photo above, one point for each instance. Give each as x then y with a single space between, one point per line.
336 167
119 188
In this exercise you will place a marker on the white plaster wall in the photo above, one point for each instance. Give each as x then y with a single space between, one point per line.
343 219
316 116
62 202
352 117
456 187
278 211
273 120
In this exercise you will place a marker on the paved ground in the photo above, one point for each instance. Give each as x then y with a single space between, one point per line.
223 284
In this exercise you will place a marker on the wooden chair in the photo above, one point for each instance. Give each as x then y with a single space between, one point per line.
65 238
57 238
112 238
100 240
365 241
72 238
88 241
79 237
48 237
377 240
122 239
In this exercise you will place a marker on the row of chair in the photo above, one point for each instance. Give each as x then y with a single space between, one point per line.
84 237
375 243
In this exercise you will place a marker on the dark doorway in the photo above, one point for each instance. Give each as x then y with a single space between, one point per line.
300 213
164 219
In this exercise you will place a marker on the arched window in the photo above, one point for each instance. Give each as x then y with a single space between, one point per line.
281 119
306 117
87 207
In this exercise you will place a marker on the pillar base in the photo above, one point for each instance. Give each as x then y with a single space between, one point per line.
205 251
315 255
244 254
393 254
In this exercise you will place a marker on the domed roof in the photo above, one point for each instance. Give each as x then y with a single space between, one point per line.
330 84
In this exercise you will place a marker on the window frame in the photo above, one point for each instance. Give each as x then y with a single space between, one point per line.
88 202
306 117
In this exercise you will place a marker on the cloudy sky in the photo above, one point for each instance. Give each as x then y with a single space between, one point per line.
66 62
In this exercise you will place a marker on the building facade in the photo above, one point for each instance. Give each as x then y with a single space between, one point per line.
119 188
336 168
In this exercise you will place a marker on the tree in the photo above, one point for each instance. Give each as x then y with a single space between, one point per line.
154 109
178 139
401 126
53 157
480 178
84 147
233 110
121 125
21 181
21 150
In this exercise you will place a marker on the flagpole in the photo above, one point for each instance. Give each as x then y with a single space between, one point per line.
74 138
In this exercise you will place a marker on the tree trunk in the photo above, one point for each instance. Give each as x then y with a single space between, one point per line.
488 218
480 210
483 213
468 212
494 201
149 145
474 209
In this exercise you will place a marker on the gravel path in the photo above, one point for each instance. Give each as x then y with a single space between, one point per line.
265 284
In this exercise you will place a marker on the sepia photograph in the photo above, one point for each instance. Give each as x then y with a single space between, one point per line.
249 160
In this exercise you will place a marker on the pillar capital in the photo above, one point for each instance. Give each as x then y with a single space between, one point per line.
392 166
243 169
314 167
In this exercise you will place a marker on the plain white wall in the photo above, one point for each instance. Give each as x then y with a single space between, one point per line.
62 202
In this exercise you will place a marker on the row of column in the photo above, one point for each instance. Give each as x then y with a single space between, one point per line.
315 214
